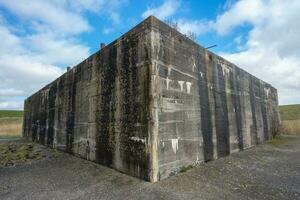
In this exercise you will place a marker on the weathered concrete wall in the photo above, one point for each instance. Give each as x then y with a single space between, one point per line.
205 106
151 102
99 109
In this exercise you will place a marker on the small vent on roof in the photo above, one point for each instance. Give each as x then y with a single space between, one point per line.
102 45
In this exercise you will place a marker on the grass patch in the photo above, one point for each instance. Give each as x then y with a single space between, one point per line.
12 137
290 112
17 153
11 113
185 168
279 141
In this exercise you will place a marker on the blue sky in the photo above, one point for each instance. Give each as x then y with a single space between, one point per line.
39 38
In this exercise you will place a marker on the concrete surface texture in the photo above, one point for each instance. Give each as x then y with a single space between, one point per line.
267 171
151 103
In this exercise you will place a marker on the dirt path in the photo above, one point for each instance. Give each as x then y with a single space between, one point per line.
268 171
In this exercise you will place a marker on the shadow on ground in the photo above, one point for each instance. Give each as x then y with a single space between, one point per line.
268 171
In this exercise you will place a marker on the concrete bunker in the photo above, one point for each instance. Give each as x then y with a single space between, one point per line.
150 103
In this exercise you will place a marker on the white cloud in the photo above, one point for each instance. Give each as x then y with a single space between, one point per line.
11 105
10 92
196 27
64 16
46 46
167 9
115 17
21 75
8 41
25 69
238 40
272 51
48 13
239 13
29 62
44 38
186 26
107 30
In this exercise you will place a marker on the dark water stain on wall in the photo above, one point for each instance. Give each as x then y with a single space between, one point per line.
51 115
71 94
264 112
221 117
105 128
237 106
206 126
253 85
134 123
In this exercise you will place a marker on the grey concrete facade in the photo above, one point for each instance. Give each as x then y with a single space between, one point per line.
150 103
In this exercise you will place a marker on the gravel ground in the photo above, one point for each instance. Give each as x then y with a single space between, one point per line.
268 171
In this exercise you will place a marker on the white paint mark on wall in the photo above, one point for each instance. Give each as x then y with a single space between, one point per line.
156 69
181 85
169 70
267 91
137 139
174 68
156 116
174 145
201 74
198 161
154 78
225 69
193 64
188 87
168 81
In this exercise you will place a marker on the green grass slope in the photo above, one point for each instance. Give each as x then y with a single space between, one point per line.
11 113
290 112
